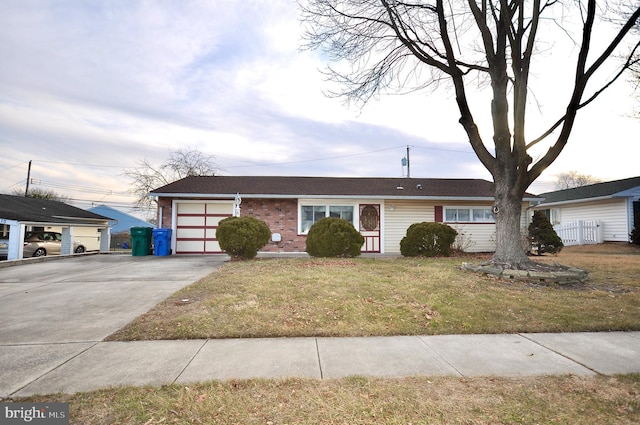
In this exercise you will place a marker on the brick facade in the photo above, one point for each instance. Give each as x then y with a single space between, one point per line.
281 215
164 205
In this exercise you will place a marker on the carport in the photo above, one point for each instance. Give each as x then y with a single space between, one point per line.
18 212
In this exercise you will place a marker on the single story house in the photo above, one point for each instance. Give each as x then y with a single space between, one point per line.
19 214
380 208
596 213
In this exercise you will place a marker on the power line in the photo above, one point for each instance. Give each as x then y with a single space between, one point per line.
442 149
265 164
81 164
78 188
14 166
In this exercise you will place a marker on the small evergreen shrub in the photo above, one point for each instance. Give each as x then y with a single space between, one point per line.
542 235
242 237
334 237
428 240
635 236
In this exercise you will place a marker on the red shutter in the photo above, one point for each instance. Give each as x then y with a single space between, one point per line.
438 211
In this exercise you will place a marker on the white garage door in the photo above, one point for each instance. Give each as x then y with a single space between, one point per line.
196 225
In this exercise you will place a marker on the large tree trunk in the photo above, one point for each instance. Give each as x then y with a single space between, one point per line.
510 252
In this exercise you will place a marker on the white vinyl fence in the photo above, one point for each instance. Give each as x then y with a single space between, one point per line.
580 232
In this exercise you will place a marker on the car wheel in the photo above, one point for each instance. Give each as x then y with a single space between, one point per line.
79 249
40 252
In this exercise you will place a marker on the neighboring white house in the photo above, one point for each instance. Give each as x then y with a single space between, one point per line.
19 214
380 208
596 213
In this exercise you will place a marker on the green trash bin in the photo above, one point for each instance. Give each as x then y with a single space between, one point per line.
141 241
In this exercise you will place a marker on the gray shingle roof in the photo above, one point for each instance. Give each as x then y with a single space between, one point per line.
591 191
43 211
273 186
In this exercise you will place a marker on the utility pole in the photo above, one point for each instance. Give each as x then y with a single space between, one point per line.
26 190
408 164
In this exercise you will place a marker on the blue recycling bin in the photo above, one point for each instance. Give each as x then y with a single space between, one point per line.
162 242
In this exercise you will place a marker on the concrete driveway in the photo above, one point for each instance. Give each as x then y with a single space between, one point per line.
86 298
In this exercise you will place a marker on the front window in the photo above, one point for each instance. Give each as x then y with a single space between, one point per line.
345 213
309 214
469 215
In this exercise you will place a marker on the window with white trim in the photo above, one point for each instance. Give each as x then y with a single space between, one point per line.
309 214
468 215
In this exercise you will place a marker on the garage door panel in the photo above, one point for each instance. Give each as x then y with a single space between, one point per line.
184 247
222 209
214 221
213 247
190 221
191 233
188 208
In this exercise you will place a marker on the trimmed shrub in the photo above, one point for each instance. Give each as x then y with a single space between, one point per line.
542 235
428 240
242 237
334 237
635 236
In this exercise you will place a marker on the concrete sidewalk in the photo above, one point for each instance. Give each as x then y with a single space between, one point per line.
85 366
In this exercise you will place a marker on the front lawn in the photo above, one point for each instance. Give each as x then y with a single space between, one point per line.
294 297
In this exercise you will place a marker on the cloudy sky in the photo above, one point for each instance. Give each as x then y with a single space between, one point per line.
87 88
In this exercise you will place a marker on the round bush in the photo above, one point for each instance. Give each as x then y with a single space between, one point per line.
334 237
428 240
242 237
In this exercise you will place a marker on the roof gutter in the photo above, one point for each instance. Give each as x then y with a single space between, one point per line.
57 223
574 201
316 196
91 220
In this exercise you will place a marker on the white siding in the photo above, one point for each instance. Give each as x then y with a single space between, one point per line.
612 213
476 237
399 215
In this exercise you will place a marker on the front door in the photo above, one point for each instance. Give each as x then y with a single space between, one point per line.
370 227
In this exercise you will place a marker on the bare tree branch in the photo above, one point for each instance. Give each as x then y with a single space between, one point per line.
180 164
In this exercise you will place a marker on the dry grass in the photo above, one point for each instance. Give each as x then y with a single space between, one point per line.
394 296
543 400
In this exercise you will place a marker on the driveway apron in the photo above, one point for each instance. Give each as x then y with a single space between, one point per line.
87 298
52 311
